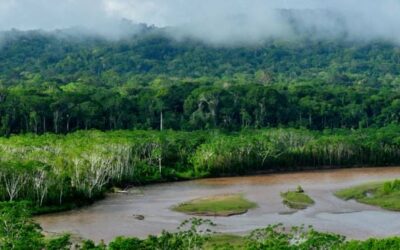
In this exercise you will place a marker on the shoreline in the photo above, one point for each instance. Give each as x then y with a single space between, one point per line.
252 174
114 215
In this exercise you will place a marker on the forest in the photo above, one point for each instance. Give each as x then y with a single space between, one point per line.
94 113
56 172
55 82
82 115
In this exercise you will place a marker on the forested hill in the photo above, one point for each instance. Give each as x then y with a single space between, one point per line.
61 82
63 56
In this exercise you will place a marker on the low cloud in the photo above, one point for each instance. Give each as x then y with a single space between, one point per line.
214 21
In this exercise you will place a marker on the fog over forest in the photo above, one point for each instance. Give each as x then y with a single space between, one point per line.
214 21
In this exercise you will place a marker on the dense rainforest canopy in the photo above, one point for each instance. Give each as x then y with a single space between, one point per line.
275 106
348 92
61 82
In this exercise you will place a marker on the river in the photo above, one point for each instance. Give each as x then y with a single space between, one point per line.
113 216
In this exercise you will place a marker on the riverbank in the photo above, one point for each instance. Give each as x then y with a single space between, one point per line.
194 233
382 194
59 170
115 215
125 188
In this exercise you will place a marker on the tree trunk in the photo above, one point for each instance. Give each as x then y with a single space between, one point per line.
68 122
56 117
161 121
44 124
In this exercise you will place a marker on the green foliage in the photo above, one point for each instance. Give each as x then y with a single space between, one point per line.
370 244
19 232
277 237
297 199
91 245
274 237
385 194
124 243
387 187
59 243
64 171
57 84
224 242
390 187
288 149
345 93
192 235
221 205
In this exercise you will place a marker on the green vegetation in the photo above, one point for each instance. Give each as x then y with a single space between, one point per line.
63 171
52 83
19 232
225 241
297 199
220 205
385 195
278 106
278 237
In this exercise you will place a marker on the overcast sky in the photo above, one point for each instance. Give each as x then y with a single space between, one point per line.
211 20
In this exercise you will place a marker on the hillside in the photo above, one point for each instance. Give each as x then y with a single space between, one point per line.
64 81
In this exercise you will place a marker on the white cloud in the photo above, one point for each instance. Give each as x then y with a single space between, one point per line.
217 21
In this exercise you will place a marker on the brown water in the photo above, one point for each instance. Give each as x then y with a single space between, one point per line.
113 216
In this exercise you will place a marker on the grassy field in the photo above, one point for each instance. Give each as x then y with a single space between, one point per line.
297 199
384 194
221 205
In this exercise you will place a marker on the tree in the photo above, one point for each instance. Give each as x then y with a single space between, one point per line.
15 176
17 230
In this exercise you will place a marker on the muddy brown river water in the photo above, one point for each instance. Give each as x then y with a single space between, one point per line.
114 215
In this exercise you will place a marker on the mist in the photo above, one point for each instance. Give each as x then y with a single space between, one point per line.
212 21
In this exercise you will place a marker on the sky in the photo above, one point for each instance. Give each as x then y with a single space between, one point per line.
215 21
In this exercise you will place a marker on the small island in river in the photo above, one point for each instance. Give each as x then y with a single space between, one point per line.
219 205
